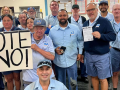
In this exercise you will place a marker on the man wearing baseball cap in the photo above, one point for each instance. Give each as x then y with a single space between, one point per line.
31 12
42 47
78 20
44 70
103 7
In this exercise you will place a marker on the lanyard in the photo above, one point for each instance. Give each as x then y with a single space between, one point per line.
113 24
115 29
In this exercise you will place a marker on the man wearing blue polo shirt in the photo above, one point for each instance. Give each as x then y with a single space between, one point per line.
66 39
78 20
42 47
51 20
103 7
98 64
44 70
115 46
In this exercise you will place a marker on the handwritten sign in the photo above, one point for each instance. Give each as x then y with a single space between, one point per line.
15 51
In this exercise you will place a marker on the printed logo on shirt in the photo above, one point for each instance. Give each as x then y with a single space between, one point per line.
45 44
97 25
72 33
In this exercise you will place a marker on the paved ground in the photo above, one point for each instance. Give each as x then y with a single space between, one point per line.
83 86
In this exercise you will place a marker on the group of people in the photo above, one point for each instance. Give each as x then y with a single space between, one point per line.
57 43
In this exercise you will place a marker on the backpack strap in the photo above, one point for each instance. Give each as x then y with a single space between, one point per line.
83 19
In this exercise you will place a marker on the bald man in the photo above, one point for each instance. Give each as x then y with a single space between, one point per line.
97 54
115 50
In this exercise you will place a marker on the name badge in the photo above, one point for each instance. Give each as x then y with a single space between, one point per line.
97 25
72 33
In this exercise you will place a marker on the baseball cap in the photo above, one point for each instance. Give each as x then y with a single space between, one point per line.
104 1
44 63
75 6
39 22
31 8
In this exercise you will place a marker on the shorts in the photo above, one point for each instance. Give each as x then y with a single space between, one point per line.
98 65
115 59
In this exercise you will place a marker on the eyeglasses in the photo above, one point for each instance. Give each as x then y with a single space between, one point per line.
6 10
44 62
31 11
91 10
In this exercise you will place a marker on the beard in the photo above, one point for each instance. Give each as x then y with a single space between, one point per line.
63 23
103 11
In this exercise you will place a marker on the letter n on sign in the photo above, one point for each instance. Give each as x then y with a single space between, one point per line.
15 51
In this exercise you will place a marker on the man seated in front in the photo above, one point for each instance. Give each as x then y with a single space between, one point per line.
44 70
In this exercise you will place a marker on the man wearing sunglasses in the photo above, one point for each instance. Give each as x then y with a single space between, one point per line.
44 70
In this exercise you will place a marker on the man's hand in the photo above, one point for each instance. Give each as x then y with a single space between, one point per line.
34 47
58 51
49 26
78 57
96 34
82 59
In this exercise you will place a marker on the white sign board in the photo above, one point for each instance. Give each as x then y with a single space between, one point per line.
15 51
